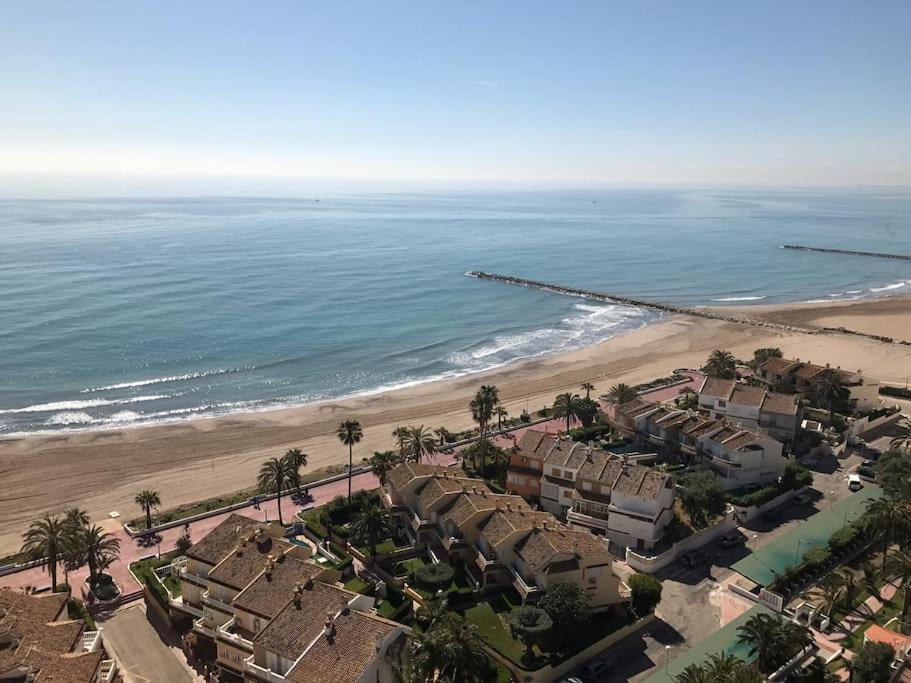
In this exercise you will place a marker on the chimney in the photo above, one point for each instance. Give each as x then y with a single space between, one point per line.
239 549
329 630
308 584
508 507
296 595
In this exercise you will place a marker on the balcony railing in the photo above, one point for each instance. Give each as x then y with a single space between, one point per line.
518 581
719 461
178 603
108 670
204 626
484 560
91 641
417 522
586 519
228 632
216 604
450 541
261 672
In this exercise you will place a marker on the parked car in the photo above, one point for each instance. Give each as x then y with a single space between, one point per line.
731 540
596 668
803 498
854 482
868 463
571 679
772 515
868 472
693 558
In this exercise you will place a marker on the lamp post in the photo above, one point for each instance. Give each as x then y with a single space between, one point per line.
667 658
797 556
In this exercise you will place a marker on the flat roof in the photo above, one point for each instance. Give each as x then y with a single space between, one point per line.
771 559
722 640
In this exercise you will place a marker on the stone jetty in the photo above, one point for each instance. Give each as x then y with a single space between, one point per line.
848 252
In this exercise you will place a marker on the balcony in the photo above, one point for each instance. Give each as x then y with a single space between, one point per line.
262 673
108 671
484 559
418 523
525 590
585 520
626 593
179 604
195 579
216 604
91 641
230 633
450 541
204 626
718 461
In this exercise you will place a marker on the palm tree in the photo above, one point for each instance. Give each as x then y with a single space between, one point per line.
452 651
371 527
399 434
566 405
419 442
689 397
773 640
621 393
720 364
147 499
296 459
870 579
443 434
902 440
829 591
588 388
482 406
76 517
501 413
898 568
881 520
829 389
46 541
381 463
349 433
275 475
98 548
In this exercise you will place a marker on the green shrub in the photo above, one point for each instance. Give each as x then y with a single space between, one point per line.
816 557
843 538
77 610
434 577
646 593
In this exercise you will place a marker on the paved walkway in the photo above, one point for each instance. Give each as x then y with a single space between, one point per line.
140 651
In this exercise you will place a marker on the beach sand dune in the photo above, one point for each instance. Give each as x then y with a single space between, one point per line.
102 470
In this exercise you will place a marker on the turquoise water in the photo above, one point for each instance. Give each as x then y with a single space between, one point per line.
119 312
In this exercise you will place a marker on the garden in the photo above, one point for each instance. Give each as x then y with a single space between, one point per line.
162 585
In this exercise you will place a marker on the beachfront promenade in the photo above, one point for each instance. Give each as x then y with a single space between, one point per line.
131 550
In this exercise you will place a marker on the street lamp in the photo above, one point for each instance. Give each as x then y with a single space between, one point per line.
797 556
667 658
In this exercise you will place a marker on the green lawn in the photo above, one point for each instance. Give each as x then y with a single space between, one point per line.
890 609
405 567
358 585
494 631
145 572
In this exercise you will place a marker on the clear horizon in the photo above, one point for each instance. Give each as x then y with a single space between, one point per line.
223 98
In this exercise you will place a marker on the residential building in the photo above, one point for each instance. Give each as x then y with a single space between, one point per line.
753 407
741 457
489 533
629 418
267 613
39 642
526 462
796 376
631 504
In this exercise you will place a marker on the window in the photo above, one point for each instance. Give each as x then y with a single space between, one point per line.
586 486
554 471
722 404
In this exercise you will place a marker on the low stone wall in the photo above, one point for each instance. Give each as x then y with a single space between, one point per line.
649 564
746 514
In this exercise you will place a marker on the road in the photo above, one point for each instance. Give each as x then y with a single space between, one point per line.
141 653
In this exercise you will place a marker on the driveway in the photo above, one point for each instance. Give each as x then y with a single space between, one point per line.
139 650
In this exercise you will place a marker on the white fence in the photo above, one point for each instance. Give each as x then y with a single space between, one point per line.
745 514
649 564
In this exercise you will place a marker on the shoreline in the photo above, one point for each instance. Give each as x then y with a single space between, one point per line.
101 469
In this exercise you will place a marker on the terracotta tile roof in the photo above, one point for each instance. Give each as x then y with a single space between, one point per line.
635 408
702 428
44 607
746 395
407 472
268 594
580 494
672 420
300 621
506 522
728 431
243 564
808 371
468 505
213 548
741 440
658 415
781 404
438 487
535 443
543 546
594 466
630 479
779 366
344 656
56 668
567 453
715 386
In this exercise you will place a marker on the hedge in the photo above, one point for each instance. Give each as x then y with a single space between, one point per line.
434 577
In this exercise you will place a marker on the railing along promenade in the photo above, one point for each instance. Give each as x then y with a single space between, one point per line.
708 313
847 252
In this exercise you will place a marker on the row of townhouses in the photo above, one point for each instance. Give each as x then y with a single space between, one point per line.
263 611
739 454
597 490
772 412
795 376
38 642
500 538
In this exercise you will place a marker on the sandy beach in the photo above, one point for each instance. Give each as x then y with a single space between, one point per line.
102 470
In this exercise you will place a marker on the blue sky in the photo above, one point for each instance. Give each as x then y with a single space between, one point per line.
240 95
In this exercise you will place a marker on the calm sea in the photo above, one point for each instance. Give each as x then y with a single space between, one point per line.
118 312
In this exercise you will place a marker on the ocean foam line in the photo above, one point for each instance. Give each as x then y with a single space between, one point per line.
740 298
79 405
162 380
894 285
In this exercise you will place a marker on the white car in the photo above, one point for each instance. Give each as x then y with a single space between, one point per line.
854 482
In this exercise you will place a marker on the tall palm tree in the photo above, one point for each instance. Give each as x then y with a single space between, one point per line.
720 364
147 499
381 463
275 475
829 592
399 434
898 568
482 406
621 393
902 440
829 389
419 443
452 651
720 668
98 548
566 405
773 640
500 412
371 527
76 517
349 433
442 434
296 459
46 540
588 388
870 579
882 519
